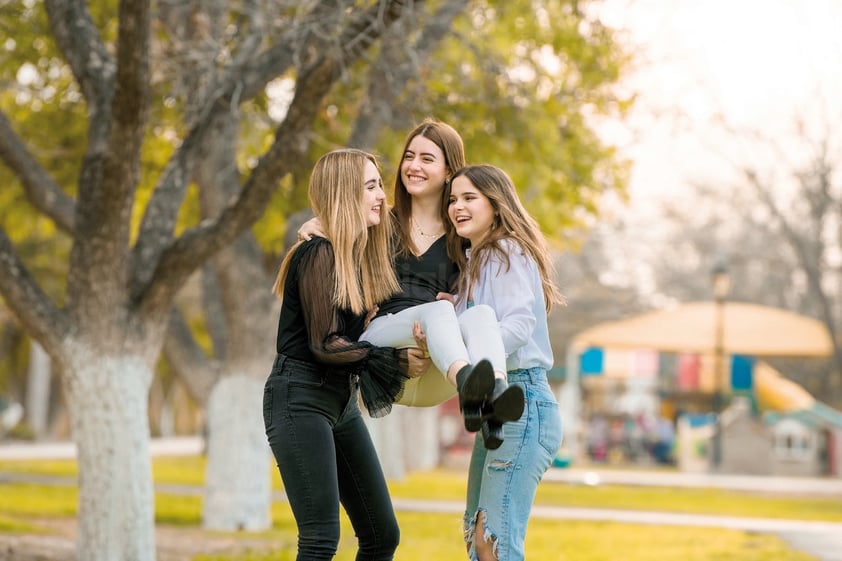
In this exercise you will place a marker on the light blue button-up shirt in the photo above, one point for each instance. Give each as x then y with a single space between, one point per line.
517 298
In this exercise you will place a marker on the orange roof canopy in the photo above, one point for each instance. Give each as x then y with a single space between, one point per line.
748 329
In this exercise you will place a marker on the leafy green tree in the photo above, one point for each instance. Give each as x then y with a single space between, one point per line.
122 275
519 119
153 142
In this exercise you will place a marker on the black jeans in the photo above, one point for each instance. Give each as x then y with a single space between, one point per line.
325 455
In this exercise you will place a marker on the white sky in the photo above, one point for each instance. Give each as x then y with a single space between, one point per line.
757 62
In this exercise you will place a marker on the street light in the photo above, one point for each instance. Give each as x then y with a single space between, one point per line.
721 281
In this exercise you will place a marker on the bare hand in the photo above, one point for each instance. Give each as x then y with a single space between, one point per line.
312 227
445 296
420 338
418 362
370 316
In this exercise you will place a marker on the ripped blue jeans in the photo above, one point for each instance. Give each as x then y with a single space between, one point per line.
502 482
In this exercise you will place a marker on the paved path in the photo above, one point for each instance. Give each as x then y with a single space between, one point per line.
823 540
810 486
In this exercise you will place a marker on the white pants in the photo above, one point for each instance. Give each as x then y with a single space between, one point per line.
472 336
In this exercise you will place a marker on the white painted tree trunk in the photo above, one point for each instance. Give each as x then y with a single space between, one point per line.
407 439
237 482
107 398
421 429
38 390
389 441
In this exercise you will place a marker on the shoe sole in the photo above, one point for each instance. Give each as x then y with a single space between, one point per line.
492 435
475 392
508 407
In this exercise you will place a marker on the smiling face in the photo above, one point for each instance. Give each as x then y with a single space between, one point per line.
373 194
423 168
469 210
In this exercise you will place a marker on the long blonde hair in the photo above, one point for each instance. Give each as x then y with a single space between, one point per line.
511 221
364 275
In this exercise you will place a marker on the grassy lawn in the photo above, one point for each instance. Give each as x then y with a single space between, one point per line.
24 506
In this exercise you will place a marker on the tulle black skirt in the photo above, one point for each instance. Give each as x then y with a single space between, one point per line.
382 378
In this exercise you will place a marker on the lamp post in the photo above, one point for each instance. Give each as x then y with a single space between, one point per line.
721 281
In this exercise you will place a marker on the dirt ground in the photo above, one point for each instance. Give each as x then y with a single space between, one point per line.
172 544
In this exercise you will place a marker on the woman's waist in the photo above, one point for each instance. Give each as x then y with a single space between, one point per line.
533 375
400 302
283 362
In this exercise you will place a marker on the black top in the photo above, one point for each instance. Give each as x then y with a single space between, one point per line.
311 328
421 278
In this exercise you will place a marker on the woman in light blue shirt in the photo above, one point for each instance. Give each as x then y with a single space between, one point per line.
505 264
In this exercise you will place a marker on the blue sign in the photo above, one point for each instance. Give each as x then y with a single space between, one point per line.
591 361
741 372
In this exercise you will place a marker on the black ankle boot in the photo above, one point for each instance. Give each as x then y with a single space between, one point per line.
507 402
492 434
506 405
475 384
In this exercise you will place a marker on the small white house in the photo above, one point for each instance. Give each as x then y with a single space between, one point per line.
805 442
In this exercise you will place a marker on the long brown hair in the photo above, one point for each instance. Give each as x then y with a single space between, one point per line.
364 275
511 221
448 140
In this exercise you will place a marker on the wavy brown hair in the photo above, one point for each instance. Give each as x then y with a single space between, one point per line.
512 222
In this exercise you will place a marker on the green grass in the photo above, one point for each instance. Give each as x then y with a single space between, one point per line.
57 468
24 507
14 526
439 536
450 485
697 501
30 499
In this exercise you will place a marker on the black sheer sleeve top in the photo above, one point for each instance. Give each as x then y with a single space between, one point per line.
313 329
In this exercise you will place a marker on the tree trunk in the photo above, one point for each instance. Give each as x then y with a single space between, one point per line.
38 390
406 440
237 481
421 429
389 439
107 398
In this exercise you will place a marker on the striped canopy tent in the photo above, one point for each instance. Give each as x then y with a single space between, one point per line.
747 329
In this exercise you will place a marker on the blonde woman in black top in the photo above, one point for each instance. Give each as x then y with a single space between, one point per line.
310 406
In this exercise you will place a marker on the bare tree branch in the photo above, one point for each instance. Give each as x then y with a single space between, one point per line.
211 102
80 44
807 251
324 63
33 308
395 68
41 190
159 219
184 355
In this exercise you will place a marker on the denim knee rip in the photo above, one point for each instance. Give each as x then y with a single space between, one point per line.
470 527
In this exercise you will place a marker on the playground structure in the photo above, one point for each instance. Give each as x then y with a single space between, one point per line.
774 428
673 363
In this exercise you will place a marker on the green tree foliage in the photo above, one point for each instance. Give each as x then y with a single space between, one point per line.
526 83
110 111
117 107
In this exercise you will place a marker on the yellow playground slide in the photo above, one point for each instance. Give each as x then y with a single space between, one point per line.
775 393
